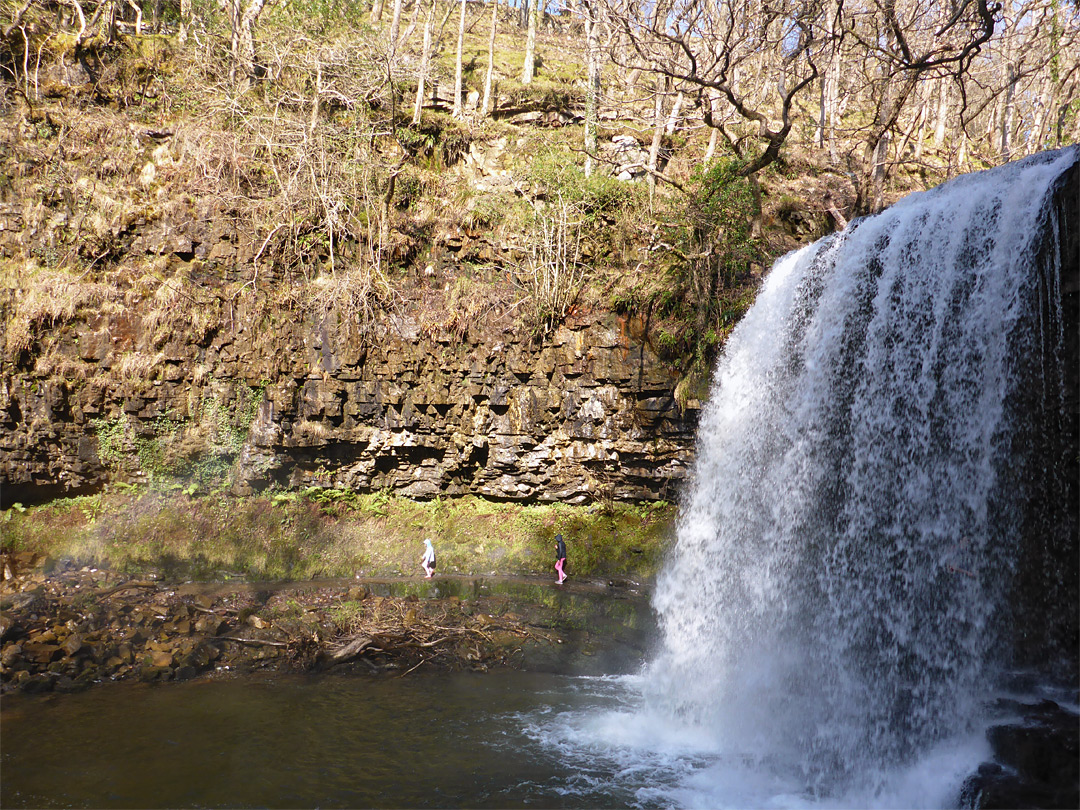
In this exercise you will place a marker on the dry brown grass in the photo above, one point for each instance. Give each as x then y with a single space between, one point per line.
137 366
309 430
466 303
46 298
355 297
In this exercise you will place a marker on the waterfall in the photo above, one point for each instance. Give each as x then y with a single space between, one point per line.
845 581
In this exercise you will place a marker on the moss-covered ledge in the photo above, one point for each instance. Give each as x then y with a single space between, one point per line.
314 533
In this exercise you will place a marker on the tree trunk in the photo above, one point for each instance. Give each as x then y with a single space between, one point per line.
942 111
827 113
1043 102
457 62
673 117
879 156
243 41
395 28
425 59
185 21
1007 112
530 42
714 136
376 11
138 16
485 108
412 22
592 92
658 134
920 129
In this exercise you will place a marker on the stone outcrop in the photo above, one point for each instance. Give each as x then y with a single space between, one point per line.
262 399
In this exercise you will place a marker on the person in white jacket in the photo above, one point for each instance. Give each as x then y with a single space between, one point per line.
428 560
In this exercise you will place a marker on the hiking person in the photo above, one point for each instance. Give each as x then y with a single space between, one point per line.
560 558
428 560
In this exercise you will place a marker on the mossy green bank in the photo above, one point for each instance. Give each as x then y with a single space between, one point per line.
318 533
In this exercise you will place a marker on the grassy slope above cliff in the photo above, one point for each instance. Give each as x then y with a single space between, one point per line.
315 192
332 533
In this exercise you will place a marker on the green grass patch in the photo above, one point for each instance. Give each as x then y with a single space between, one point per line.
334 533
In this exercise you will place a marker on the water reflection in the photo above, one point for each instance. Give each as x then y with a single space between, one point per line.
334 741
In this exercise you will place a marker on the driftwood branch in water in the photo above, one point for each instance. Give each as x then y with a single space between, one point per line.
262 641
126 586
349 650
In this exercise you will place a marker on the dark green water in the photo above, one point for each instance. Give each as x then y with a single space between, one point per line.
465 740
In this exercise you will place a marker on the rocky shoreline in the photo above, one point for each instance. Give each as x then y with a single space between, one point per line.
65 627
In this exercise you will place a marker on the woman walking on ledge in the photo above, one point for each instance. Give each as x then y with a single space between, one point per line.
560 558
428 560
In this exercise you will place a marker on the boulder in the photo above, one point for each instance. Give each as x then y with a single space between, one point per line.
160 658
10 654
9 628
73 644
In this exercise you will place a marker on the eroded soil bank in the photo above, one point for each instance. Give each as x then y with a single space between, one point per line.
65 627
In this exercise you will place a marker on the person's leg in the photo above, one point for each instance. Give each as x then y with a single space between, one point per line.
559 568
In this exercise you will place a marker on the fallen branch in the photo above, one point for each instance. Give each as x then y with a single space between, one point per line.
264 642
127 586
350 650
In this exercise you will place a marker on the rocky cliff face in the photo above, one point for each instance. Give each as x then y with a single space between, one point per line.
261 399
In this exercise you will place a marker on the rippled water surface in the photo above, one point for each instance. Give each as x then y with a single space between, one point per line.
500 739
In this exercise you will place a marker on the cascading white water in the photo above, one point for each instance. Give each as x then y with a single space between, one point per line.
835 602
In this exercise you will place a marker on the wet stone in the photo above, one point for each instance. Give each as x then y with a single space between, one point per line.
199 658
152 673
184 673
73 644
9 628
211 625
37 683
41 653
67 684
10 654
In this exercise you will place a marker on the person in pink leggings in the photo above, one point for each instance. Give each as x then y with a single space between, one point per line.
560 558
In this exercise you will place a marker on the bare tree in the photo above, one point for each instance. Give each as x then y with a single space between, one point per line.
457 62
185 21
906 41
425 63
592 91
530 41
242 19
485 107
708 47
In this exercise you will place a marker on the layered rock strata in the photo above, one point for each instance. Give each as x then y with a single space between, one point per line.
588 413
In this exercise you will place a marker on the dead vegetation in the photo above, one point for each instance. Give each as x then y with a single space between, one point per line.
47 298
407 634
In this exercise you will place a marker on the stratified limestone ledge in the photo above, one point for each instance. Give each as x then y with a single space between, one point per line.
587 413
